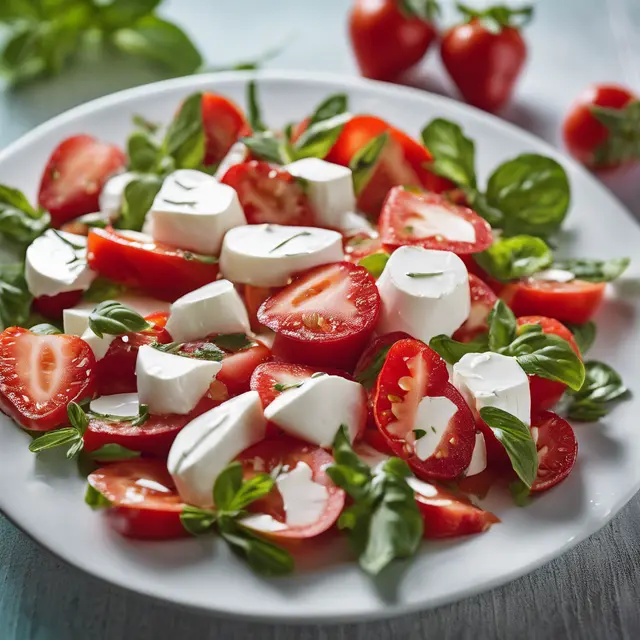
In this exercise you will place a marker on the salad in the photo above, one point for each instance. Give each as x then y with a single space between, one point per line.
268 335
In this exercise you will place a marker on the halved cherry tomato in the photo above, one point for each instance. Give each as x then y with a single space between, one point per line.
575 302
74 176
546 393
557 449
52 306
137 261
287 453
411 372
269 194
593 143
324 317
116 372
253 298
41 374
223 123
145 503
449 516
412 217
266 376
373 357
483 300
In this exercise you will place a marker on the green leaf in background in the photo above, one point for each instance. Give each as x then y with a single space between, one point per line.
144 153
364 161
15 299
184 140
316 141
335 105
451 350
254 112
502 326
375 263
514 258
594 270
136 203
453 153
583 334
515 437
19 221
266 146
533 194
121 13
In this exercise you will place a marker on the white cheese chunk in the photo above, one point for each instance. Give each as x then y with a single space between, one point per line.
237 154
112 194
479 457
210 442
432 417
430 220
99 346
314 411
214 308
56 262
424 293
172 384
267 255
304 500
554 275
263 522
493 380
329 187
119 404
193 211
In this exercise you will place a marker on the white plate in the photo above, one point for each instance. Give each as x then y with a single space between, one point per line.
44 496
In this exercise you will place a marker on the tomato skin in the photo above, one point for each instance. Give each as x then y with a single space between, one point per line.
137 511
574 302
483 65
253 297
583 133
269 194
288 452
74 176
223 123
402 206
386 42
162 271
52 306
483 300
546 393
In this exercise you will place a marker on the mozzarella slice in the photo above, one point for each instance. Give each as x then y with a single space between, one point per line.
112 194
267 255
424 293
315 410
493 380
210 442
479 457
99 346
432 419
193 211
172 384
57 262
214 308
236 155
119 404
329 187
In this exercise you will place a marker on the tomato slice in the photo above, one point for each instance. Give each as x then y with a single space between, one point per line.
266 376
52 306
557 449
253 297
414 217
145 503
286 453
324 317
137 261
483 300
373 357
74 176
41 374
576 301
223 123
269 194
546 393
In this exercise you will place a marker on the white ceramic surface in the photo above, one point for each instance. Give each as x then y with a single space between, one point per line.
44 496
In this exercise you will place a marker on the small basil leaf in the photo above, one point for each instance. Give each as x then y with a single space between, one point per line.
253 111
19 221
184 140
515 437
583 334
316 141
364 161
594 270
227 486
332 106
207 351
514 258
55 438
251 490
533 194
375 263
112 451
138 198
478 202
453 154
143 152
77 417
344 454
451 350
45 329
121 13
520 493
95 499
266 146
113 318
233 342
15 299
197 521
367 377
502 326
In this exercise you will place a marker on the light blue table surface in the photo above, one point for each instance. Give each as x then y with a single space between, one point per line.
591 592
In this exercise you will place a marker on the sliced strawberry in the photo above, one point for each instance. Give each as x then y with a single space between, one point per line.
74 176
41 374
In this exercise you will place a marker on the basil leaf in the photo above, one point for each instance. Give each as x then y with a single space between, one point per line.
502 326
583 334
15 299
594 270
95 499
113 318
96 220
144 153
251 490
375 263
367 377
253 112
184 140
45 329
160 41
333 106
233 342
197 521
515 437
207 351
145 125
286 387
520 493
265 146
53 439
547 356
139 195
121 13
77 417
451 350
102 289
112 451
478 202
364 161
316 141
514 258
453 154
226 486
533 194
426 10
344 455
19 221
